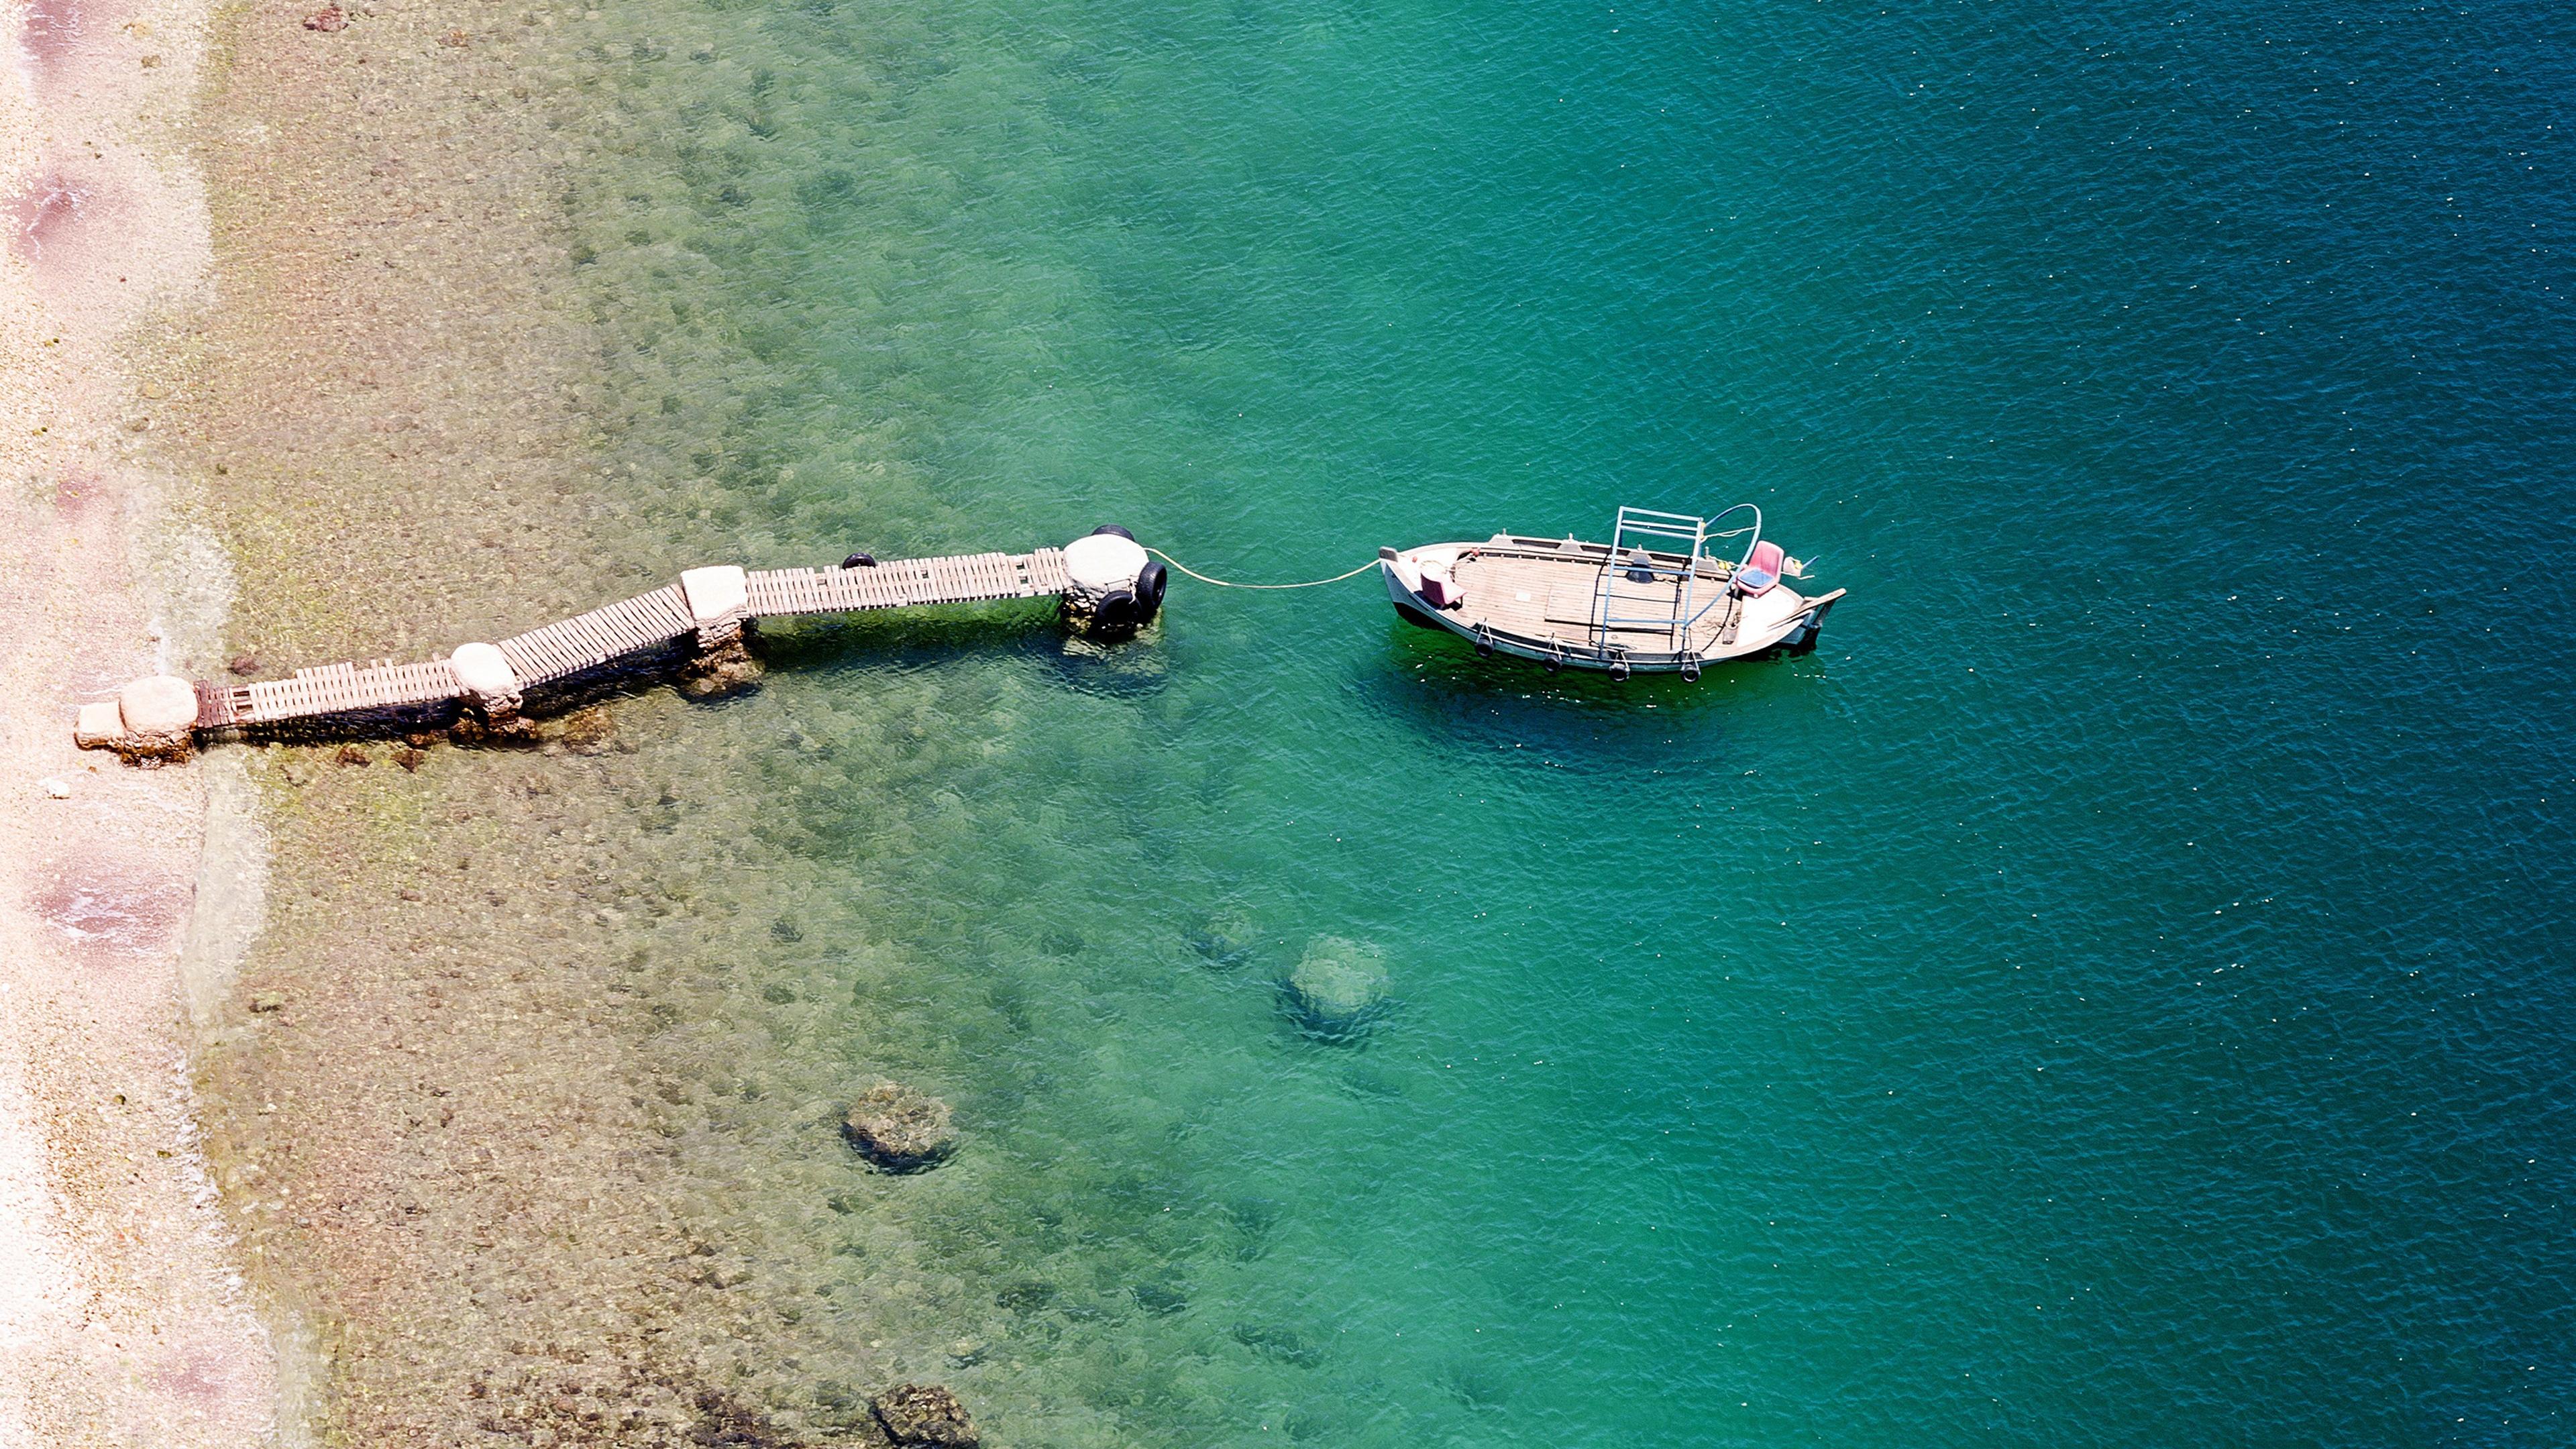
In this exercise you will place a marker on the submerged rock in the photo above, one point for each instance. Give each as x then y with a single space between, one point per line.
1160 1299
1286 1345
509 729
1338 988
722 1420
1225 942
587 731
899 1129
926 1414
1026 1296
722 671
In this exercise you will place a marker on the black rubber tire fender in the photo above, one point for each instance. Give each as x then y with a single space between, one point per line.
1151 581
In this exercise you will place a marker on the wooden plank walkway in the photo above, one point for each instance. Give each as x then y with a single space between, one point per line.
587 641
632 626
899 582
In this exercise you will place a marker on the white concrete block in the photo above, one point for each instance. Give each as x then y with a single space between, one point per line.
715 594
159 706
484 671
1100 562
100 726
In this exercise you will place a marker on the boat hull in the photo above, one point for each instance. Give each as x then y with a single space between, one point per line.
1731 627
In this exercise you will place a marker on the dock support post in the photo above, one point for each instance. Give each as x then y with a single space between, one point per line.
490 688
100 726
159 720
1112 589
719 600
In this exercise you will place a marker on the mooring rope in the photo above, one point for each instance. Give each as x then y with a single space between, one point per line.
1229 584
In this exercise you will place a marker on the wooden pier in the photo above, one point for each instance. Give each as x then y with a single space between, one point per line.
707 607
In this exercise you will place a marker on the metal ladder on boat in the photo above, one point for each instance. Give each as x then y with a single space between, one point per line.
1648 595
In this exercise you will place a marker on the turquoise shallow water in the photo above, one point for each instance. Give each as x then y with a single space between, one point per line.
2111 993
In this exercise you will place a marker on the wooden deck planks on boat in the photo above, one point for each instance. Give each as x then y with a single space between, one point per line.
1544 597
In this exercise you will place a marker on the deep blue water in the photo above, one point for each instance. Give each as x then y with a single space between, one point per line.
2112 993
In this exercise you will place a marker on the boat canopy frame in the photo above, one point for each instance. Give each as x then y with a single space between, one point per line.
1633 560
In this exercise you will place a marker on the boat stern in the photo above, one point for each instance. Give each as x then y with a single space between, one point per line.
1801 638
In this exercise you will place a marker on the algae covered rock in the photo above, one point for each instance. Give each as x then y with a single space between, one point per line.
899 1129
1338 988
719 672
588 731
926 1414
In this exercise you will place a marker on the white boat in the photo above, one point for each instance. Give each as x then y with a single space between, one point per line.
1653 598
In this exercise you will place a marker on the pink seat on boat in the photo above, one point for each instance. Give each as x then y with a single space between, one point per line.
1761 571
1439 590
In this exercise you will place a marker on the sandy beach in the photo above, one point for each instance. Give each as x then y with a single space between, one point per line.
307 380
363 1149
123 1316
192 385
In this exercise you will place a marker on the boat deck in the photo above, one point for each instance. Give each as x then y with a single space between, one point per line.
1566 596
